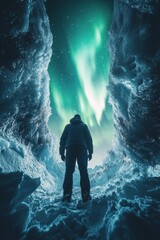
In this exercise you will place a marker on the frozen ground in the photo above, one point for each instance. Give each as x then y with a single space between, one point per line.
125 203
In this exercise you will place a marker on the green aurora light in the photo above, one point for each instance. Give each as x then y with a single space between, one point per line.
79 70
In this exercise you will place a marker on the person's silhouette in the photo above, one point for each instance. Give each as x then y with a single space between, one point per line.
77 141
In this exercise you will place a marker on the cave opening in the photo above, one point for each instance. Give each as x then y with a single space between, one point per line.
79 70
125 189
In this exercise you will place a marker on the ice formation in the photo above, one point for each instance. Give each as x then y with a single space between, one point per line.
125 189
26 49
134 44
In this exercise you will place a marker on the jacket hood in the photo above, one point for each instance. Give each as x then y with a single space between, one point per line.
76 120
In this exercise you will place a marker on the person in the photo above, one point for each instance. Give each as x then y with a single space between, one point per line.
76 142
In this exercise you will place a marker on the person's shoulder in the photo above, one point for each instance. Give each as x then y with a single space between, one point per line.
67 126
84 125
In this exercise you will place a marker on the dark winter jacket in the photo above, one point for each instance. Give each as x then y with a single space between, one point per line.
75 133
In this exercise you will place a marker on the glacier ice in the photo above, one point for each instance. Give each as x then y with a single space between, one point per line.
134 80
125 189
24 135
15 215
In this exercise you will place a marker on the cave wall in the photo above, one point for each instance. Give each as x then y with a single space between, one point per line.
25 141
26 49
26 145
135 78
25 41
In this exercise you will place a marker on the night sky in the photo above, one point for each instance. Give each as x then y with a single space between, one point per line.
79 68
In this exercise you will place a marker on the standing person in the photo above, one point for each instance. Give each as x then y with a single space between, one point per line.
77 141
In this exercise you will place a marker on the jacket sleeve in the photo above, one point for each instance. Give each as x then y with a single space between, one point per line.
63 139
88 139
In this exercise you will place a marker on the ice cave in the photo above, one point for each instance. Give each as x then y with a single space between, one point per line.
125 188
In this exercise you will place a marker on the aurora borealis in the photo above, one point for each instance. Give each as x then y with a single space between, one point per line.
79 68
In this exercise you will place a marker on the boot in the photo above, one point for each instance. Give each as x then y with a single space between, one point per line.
86 197
66 198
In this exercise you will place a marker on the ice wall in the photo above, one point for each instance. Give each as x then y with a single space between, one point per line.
134 78
26 145
25 141
25 40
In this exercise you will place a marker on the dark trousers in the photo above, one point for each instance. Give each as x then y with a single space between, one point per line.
79 153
